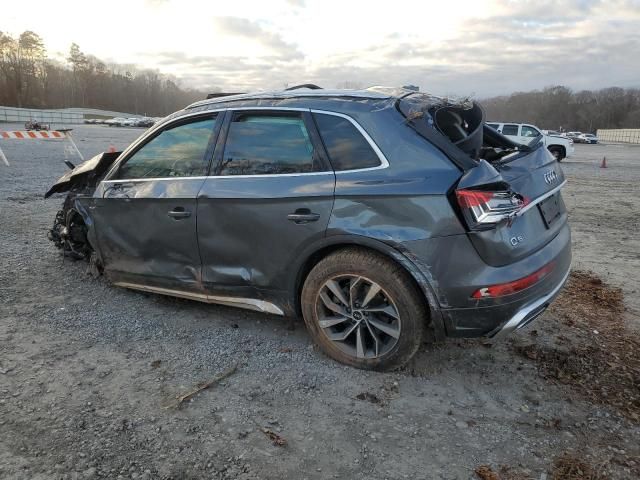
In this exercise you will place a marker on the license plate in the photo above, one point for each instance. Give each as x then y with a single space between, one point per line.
550 209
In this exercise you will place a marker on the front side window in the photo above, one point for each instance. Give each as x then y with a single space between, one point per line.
493 125
508 129
269 144
529 132
178 151
347 148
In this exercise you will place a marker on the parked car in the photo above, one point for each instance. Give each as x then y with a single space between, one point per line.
376 215
575 136
115 122
144 122
559 146
588 138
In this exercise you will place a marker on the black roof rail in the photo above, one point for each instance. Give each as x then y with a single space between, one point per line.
222 94
310 86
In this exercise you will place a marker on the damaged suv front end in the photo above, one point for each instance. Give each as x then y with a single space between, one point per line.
70 229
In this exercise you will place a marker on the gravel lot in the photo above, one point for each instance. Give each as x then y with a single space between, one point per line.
86 369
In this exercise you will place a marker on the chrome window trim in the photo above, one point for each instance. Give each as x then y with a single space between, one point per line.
155 179
384 163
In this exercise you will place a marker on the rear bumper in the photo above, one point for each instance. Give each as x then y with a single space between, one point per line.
456 270
529 312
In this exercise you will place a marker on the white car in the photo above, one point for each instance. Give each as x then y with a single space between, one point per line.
559 146
115 122
588 138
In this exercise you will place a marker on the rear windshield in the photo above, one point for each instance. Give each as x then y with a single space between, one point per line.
457 128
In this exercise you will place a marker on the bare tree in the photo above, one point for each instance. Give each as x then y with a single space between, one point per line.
29 79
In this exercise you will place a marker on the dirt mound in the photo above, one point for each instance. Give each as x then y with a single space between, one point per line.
570 467
594 352
565 467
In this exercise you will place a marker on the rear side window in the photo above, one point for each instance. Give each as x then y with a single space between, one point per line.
347 148
267 145
176 152
510 130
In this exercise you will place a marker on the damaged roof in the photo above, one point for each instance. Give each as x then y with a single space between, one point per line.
373 93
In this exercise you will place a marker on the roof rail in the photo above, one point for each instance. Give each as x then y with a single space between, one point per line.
310 86
222 94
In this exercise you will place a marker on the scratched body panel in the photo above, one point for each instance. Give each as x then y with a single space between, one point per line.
139 242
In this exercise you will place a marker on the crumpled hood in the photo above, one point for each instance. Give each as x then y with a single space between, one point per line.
86 174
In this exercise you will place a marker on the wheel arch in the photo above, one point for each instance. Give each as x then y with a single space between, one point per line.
337 242
563 150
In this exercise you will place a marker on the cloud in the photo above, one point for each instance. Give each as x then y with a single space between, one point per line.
254 31
513 46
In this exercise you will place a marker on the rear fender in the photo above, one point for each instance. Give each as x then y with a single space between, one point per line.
396 252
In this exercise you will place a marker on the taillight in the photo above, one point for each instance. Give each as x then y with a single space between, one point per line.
484 209
502 289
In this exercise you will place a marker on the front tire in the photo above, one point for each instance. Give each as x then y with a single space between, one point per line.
364 310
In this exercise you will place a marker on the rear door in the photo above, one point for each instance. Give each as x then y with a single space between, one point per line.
145 213
271 195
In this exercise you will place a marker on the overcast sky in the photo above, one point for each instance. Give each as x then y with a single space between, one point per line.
476 47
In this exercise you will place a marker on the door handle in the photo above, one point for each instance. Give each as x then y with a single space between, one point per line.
303 215
178 213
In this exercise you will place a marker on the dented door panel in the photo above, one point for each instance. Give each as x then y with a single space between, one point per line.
139 238
245 234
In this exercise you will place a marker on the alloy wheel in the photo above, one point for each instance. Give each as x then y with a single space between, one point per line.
358 316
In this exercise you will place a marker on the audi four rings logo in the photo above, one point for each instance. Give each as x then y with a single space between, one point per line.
550 177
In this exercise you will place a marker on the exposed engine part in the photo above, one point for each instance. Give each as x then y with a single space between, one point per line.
69 232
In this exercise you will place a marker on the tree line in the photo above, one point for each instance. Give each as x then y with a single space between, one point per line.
559 107
30 79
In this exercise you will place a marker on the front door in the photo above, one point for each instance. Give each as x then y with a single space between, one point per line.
145 212
271 196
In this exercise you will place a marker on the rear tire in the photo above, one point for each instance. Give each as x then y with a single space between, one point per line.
557 153
364 310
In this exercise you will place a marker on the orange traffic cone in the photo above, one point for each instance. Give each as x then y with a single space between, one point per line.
604 162
112 149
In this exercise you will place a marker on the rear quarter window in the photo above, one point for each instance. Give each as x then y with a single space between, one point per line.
346 147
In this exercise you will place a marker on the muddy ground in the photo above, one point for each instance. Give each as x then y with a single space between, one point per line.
87 370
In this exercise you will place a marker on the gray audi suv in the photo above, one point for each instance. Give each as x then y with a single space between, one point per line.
376 215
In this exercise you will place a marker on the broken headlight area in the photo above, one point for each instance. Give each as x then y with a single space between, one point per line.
69 231
70 228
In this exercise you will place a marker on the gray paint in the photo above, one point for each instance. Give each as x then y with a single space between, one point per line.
238 241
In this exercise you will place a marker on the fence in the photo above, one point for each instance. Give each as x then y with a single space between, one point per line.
62 116
623 135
